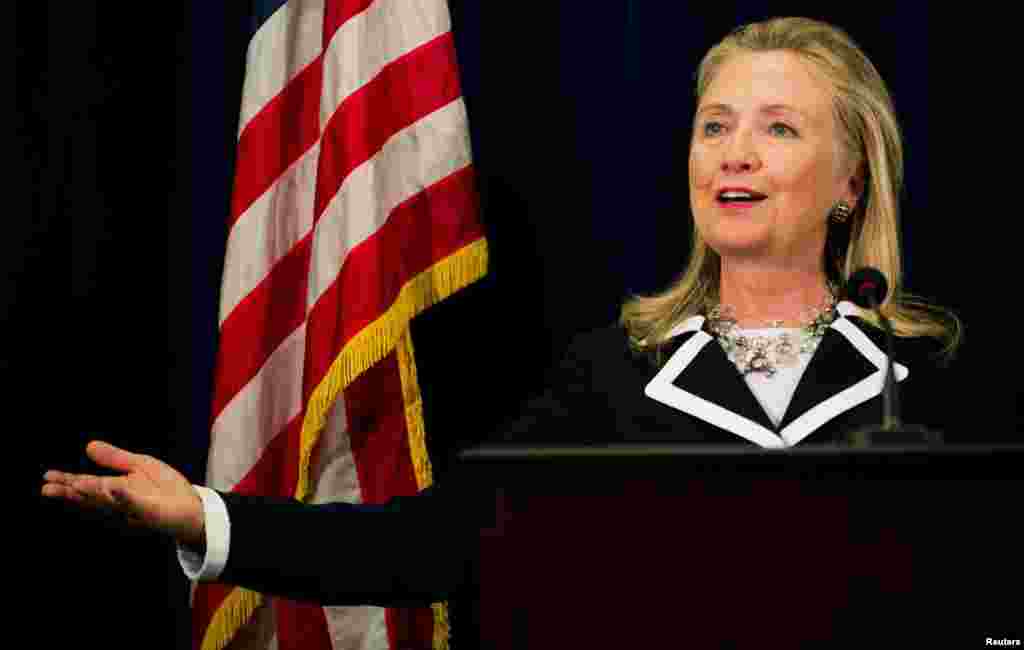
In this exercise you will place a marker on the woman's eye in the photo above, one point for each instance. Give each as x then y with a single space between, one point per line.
713 128
779 128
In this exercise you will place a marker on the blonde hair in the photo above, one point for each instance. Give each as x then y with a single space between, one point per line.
870 139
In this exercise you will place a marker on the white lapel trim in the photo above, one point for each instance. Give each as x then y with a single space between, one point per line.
662 389
859 393
691 324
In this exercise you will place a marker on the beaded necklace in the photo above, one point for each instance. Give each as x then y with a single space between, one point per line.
766 354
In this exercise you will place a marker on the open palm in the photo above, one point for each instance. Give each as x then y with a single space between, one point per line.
148 491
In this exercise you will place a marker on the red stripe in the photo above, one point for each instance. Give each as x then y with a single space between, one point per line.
379 437
406 90
260 322
375 409
276 473
338 12
275 137
207 599
410 627
426 228
301 626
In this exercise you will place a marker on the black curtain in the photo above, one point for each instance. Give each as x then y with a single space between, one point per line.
125 120
102 98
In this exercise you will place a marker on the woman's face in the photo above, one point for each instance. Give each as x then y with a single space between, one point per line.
765 125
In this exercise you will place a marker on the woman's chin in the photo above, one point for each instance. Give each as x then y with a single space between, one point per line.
750 245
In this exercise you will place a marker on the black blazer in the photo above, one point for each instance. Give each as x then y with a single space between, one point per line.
416 550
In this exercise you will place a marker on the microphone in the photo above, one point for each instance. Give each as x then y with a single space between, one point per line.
867 288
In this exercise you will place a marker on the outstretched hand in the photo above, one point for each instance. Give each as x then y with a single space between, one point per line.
148 492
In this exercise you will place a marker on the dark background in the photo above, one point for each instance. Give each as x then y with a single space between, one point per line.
124 133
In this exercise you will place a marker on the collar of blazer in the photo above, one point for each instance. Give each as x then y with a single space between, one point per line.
847 369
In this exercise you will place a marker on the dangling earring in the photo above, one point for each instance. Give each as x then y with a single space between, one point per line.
840 212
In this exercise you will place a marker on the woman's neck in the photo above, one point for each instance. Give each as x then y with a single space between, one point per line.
757 295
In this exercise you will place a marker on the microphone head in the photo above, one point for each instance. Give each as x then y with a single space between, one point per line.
867 287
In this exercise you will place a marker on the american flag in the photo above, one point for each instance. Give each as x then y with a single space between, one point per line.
353 210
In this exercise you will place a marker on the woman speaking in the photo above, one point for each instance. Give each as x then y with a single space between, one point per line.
795 170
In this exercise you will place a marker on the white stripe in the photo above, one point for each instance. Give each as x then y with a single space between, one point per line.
336 479
334 473
283 46
268 229
414 159
662 389
384 32
357 628
260 410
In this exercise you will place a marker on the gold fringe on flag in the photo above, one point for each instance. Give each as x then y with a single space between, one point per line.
232 614
414 412
420 458
441 629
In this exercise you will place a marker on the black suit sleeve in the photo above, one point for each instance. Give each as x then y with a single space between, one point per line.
410 551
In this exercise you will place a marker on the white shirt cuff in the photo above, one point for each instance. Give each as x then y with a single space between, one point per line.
209 566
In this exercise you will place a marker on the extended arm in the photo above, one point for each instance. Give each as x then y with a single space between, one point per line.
410 551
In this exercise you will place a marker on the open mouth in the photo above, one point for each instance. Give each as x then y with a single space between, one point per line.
726 197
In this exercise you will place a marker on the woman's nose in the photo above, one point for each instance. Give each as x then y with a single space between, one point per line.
740 155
